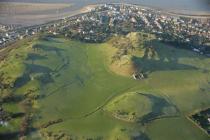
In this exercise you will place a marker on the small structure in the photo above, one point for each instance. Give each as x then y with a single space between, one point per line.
209 120
3 123
4 117
55 33
138 76
196 50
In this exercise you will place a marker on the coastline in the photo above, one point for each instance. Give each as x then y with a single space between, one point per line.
36 19
184 13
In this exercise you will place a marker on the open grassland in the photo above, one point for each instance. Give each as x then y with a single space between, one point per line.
70 89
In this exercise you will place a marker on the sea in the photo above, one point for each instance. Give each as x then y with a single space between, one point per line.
199 7
190 5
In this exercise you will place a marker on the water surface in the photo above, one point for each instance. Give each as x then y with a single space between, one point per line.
193 5
11 16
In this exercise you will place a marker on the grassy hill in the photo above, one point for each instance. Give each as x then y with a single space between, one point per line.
140 108
123 49
69 89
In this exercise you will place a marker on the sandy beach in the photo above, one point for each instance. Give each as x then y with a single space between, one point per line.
32 13
14 8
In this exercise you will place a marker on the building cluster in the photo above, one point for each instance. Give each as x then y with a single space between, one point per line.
5 28
109 19
202 118
10 36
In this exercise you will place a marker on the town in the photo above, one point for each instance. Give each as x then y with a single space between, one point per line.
107 20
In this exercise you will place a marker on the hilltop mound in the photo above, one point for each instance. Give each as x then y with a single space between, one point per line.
129 107
140 53
140 107
125 48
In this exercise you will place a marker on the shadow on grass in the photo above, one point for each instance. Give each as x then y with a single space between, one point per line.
43 76
34 68
9 136
33 57
21 81
17 115
12 98
149 65
157 109
51 39
159 58
141 136
16 134
47 48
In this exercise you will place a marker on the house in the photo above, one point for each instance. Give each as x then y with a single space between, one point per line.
196 50
3 123
55 33
209 120
138 76
133 20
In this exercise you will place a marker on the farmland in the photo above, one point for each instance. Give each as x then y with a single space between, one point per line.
70 89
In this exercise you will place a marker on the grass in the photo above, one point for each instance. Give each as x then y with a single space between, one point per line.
141 108
170 130
122 49
75 83
129 107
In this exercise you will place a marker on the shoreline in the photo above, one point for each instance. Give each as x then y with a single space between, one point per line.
41 18
184 13
33 19
26 19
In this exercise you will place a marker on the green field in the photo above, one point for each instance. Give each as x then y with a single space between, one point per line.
71 81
